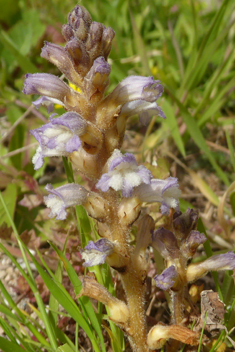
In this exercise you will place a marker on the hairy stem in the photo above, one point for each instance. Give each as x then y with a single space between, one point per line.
135 288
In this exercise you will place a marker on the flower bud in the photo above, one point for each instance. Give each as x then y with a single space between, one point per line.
118 310
218 262
107 37
94 40
165 243
59 57
191 243
143 237
160 333
67 32
85 163
167 278
185 223
129 210
96 79
78 55
97 207
79 12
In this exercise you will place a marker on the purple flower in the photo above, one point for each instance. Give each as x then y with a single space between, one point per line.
134 95
167 278
124 174
50 86
165 242
95 253
63 197
58 137
192 242
143 108
48 102
97 78
165 192
135 88
218 262
58 55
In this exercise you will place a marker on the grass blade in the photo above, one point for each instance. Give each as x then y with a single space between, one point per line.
198 138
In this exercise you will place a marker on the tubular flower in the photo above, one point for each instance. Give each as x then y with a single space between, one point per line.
52 88
167 278
64 197
165 243
124 174
165 192
95 253
218 262
135 94
59 137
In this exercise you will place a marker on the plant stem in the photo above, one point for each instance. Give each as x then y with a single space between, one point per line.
135 288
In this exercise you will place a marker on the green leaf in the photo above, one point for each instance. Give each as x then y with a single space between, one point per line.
209 253
62 296
198 138
9 196
9 346
84 301
232 201
171 122
140 46
25 64
64 348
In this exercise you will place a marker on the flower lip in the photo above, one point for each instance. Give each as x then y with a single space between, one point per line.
138 87
95 253
59 137
164 191
63 197
124 174
47 101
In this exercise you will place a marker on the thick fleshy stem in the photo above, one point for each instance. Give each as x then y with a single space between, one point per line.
133 279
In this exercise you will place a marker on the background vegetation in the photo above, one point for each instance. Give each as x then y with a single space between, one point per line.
189 46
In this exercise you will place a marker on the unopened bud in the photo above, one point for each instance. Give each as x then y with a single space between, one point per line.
85 163
108 35
96 206
165 243
129 210
185 223
192 242
94 40
67 32
159 334
118 310
79 56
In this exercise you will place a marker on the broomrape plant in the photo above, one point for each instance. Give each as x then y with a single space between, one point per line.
90 133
